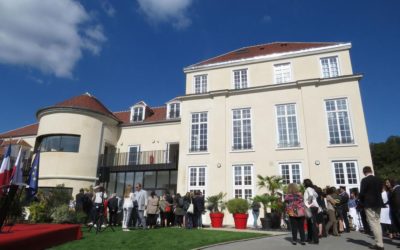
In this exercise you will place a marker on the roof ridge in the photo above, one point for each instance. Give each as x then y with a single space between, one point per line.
18 128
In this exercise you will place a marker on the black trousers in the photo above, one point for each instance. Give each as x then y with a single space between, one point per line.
313 231
152 220
345 219
113 217
297 225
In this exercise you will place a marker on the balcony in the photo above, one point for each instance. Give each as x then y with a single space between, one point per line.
140 161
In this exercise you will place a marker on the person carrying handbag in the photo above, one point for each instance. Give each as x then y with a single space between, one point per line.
312 207
296 212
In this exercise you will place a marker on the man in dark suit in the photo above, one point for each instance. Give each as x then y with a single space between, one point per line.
344 207
371 198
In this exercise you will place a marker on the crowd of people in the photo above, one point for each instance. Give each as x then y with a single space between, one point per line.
373 209
137 209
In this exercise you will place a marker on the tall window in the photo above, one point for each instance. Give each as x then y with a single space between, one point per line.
345 173
290 173
241 129
198 137
240 78
59 143
329 67
200 84
133 156
287 126
243 181
282 73
197 179
338 121
138 113
174 110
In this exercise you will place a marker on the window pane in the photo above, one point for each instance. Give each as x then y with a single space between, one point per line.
120 183
130 179
162 179
149 179
111 183
138 178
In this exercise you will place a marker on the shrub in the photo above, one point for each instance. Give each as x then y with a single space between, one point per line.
39 212
215 203
238 206
62 214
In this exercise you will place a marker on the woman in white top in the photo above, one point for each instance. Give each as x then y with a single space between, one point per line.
127 207
311 203
385 212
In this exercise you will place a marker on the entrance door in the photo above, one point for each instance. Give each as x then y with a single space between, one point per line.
173 153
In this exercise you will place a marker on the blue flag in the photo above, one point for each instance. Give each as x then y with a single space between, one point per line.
33 179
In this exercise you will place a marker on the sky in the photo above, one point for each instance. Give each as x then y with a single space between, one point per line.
125 51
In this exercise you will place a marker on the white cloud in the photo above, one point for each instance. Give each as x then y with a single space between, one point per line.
47 35
173 11
108 8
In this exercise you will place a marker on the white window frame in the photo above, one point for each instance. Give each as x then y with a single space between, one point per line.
345 173
329 65
337 122
129 154
137 108
277 67
241 132
243 187
202 89
169 106
240 78
198 145
290 164
190 187
290 144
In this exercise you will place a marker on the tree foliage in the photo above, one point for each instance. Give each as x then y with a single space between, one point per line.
386 158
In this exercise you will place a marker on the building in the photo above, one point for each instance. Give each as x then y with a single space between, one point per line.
289 109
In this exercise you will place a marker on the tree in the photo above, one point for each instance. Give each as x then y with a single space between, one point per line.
386 158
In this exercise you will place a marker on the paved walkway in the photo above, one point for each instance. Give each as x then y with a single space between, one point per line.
348 241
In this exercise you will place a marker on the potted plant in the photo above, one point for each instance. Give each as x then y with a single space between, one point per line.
216 206
272 200
239 207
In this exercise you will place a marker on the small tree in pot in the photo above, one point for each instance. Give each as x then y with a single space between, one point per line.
216 206
239 208
271 200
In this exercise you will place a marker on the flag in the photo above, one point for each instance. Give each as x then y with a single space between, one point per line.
34 176
5 170
16 178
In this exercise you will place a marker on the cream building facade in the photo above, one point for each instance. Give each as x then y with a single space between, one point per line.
289 109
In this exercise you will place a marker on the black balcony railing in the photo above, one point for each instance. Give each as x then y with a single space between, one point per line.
153 158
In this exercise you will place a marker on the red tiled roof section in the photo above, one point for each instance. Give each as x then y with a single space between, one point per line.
159 114
86 101
24 131
262 50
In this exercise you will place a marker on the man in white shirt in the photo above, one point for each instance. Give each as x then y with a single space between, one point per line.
140 196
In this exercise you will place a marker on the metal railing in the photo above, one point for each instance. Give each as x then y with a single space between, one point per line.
138 158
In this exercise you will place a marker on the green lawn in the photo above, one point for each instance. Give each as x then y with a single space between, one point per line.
163 238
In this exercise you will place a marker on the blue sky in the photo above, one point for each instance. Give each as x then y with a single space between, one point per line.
125 51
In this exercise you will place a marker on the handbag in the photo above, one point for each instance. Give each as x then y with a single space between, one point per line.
190 209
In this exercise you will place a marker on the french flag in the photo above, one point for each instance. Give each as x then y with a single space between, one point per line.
5 170
17 175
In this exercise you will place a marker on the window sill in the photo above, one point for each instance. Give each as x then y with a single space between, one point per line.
289 148
242 150
199 153
342 145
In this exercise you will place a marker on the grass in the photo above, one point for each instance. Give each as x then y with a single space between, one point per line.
163 238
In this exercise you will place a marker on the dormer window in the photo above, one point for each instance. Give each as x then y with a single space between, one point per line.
174 110
140 111
138 114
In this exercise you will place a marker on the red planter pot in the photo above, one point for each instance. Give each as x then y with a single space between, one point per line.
240 221
216 219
